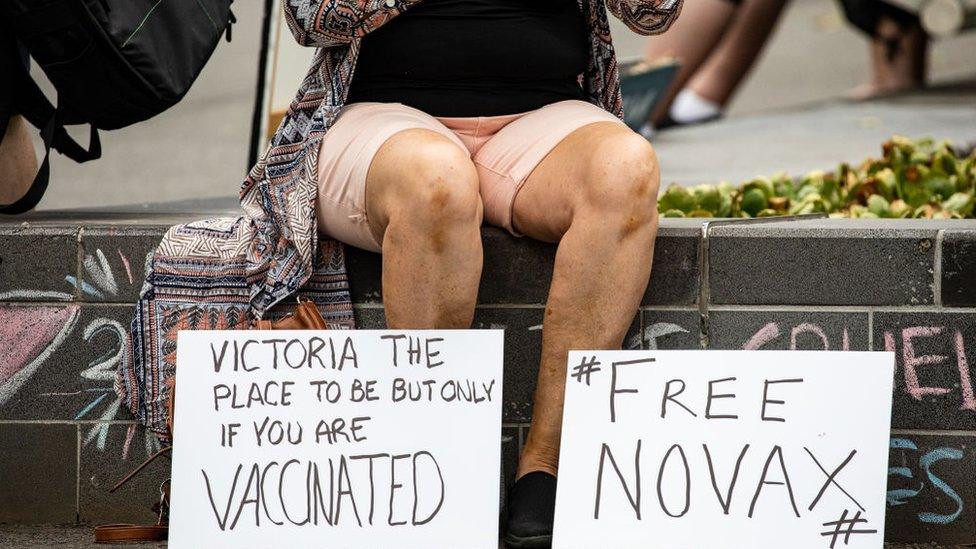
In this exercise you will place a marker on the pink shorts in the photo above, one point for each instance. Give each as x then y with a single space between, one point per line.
505 150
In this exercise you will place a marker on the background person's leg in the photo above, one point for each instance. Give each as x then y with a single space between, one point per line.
738 50
898 59
690 40
899 46
18 163
422 204
595 194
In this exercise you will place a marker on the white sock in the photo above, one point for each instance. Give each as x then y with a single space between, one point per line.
689 107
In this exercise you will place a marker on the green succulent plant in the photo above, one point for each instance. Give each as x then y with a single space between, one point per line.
914 178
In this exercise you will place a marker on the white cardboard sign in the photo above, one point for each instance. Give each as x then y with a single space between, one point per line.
724 449
350 439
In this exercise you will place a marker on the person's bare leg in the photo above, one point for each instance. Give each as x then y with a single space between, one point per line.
422 203
898 60
18 164
689 40
596 194
737 52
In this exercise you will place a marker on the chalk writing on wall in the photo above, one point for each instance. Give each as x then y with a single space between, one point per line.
42 340
946 351
913 473
772 331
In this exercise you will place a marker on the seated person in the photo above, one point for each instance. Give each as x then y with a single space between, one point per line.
418 121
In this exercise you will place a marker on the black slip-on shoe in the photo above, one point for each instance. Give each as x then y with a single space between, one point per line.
669 122
531 509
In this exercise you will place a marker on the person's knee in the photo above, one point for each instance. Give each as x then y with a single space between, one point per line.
623 183
440 186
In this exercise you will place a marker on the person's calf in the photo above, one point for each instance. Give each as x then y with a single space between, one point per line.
602 267
425 209
898 60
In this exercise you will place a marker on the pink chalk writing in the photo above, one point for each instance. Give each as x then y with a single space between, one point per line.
771 331
912 362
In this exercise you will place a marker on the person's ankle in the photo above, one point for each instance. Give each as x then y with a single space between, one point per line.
898 57
690 107
532 462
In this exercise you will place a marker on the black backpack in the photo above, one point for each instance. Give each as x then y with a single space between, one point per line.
112 62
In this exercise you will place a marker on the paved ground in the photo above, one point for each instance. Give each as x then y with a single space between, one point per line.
795 140
22 537
801 139
198 149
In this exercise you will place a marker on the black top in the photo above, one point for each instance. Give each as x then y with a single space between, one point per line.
475 57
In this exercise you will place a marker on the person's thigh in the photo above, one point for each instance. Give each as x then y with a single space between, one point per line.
542 142
368 141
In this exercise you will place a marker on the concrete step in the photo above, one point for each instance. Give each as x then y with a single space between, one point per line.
67 285
75 537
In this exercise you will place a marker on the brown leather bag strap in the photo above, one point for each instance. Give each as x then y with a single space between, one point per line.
125 533
306 317
138 469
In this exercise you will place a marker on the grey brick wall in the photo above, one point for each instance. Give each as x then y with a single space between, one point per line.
66 292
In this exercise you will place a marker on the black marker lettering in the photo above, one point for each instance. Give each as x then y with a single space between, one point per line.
831 479
393 339
635 499
727 502
613 383
777 452
372 486
252 480
344 473
766 399
440 502
348 353
281 494
669 396
294 365
218 362
432 354
264 499
660 481
712 396
394 485
274 351
244 355
222 522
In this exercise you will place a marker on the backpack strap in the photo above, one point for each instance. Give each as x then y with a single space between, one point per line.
54 135
31 102
28 100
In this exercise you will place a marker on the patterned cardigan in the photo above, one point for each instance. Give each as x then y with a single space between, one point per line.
223 274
